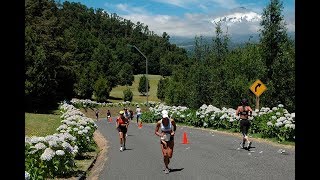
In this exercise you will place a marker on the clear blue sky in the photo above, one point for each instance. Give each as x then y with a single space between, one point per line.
187 17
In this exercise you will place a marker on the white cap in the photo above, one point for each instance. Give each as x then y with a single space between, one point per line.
164 112
165 116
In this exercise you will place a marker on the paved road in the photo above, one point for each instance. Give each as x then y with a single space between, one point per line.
209 155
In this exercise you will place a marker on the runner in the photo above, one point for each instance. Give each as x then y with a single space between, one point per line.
108 115
131 114
127 115
97 114
138 112
244 111
168 128
122 127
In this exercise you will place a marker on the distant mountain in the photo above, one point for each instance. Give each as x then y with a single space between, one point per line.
238 15
235 40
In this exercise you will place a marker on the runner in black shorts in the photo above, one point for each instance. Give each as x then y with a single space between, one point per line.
122 127
244 111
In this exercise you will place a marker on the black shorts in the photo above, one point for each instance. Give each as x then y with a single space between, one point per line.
122 129
244 126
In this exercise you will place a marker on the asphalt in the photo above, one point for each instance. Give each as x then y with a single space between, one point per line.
209 155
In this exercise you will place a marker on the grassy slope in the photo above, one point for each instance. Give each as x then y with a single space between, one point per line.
41 124
117 92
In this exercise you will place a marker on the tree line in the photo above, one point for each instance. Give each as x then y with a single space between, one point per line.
219 75
75 51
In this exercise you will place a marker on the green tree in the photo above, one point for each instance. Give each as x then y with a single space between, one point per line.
218 56
142 85
273 34
101 89
278 55
161 89
127 94
125 75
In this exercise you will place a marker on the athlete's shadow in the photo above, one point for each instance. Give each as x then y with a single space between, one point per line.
248 149
179 169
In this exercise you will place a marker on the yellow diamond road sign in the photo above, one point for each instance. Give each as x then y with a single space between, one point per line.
258 88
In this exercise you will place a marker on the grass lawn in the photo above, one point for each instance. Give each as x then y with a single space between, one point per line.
117 93
41 124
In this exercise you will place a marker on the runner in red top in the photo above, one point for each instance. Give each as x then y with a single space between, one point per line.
122 127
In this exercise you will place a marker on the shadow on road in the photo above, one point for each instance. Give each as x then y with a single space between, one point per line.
246 148
173 170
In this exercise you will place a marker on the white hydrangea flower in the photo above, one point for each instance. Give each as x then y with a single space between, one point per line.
287 115
280 105
278 124
40 145
205 124
269 123
293 126
278 113
67 146
293 115
47 155
60 152
85 131
53 143
26 175
281 119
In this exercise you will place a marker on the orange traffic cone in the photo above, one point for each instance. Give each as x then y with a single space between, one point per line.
110 119
140 125
185 139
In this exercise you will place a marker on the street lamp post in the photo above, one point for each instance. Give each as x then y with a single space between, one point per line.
146 68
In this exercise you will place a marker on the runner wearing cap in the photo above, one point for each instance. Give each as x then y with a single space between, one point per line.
122 127
168 127
127 115
138 112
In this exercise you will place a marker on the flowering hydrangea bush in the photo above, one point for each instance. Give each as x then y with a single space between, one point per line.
79 126
49 156
87 103
275 122
53 155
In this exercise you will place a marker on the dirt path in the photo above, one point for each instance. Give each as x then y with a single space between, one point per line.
101 158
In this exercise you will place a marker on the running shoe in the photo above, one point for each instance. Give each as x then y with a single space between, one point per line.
166 171
241 145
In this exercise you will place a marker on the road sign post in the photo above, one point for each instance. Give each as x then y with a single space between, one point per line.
258 88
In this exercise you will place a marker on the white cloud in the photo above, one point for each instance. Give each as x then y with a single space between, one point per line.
129 9
228 4
179 3
190 24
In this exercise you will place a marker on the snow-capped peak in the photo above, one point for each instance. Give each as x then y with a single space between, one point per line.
238 17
